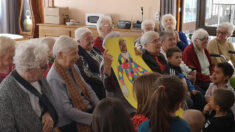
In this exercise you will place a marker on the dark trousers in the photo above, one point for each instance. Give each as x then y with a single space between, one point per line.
72 127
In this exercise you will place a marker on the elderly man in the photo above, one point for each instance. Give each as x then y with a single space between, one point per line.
25 96
220 45
89 62
74 98
104 27
146 25
151 53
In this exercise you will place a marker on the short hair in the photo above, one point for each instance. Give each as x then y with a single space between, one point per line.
49 41
147 37
110 116
63 44
168 16
101 20
147 22
228 26
195 119
81 32
199 34
224 99
30 56
171 51
6 44
226 68
110 35
165 34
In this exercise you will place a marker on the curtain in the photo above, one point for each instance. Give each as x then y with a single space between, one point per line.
168 6
9 14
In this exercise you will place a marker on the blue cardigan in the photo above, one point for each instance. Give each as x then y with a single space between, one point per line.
183 43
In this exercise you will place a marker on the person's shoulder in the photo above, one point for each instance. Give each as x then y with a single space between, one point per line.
189 48
144 127
53 75
213 41
179 125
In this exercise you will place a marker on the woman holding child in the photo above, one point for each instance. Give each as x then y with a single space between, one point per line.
196 55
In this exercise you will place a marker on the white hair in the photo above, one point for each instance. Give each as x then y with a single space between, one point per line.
147 22
199 34
49 41
110 35
81 32
63 44
147 37
228 26
100 22
168 16
30 56
6 44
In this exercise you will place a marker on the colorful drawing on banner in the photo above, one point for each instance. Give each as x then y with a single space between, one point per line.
126 65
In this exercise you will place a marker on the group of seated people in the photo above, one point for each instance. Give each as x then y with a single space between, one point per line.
68 85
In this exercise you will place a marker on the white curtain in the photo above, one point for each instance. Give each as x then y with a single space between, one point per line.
9 12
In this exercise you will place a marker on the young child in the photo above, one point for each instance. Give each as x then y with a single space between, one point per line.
174 57
195 119
220 77
143 89
49 42
164 104
110 116
219 116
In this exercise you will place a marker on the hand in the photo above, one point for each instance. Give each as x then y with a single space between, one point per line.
125 91
107 63
207 108
177 36
194 92
47 122
138 52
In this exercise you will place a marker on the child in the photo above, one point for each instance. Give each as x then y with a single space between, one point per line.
219 116
49 41
174 57
165 101
220 77
110 116
195 119
143 89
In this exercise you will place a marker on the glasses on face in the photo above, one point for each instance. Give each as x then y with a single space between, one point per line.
222 33
155 41
204 39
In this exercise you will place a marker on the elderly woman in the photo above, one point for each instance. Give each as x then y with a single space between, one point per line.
7 51
151 53
74 98
169 23
146 25
104 27
89 62
220 45
25 96
197 56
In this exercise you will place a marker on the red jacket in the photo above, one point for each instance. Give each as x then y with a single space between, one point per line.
98 44
190 59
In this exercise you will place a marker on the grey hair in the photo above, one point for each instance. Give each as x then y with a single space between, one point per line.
147 37
81 32
30 56
6 44
100 22
199 34
165 34
147 22
110 35
63 44
166 16
49 41
228 26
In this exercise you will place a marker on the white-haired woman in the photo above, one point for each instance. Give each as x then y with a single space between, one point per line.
104 27
74 98
7 51
26 101
197 56
90 59
220 45
146 25
151 54
168 22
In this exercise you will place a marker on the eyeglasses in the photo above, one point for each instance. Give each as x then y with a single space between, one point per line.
155 41
222 33
204 39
